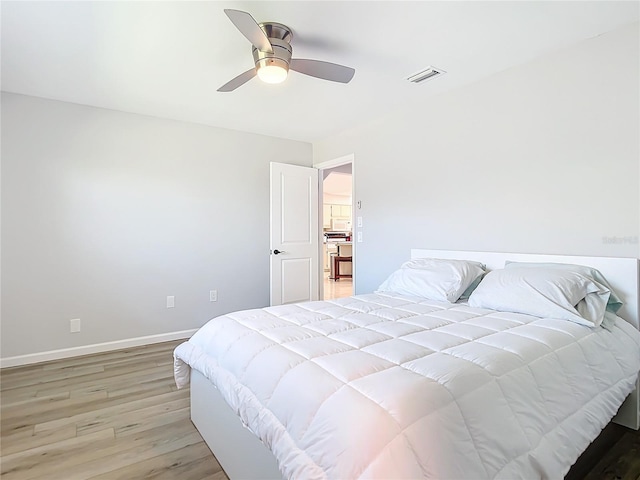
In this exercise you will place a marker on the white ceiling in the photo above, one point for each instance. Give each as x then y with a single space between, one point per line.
167 59
337 183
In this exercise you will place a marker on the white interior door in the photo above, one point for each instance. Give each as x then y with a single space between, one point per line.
294 234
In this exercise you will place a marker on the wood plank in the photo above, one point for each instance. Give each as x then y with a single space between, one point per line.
186 463
36 378
108 378
19 429
10 401
20 443
50 458
125 452
50 405
147 386
139 419
107 409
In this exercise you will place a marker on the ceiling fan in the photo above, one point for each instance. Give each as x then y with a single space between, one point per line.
272 55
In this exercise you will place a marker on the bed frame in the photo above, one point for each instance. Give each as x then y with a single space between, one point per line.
240 453
243 456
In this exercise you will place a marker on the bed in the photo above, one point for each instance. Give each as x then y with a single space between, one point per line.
393 385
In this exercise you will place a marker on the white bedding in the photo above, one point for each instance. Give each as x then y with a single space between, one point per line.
383 386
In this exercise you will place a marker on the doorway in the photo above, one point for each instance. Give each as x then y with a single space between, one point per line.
337 248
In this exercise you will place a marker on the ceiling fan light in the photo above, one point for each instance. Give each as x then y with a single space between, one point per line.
272 73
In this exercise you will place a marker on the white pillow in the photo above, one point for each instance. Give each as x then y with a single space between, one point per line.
613 305
543 292
433 278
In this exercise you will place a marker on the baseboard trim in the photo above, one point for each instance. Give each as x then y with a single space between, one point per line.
90 349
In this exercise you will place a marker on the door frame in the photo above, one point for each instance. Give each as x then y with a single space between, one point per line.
336 162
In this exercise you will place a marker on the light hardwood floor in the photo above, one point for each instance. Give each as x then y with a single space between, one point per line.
337 288
116 415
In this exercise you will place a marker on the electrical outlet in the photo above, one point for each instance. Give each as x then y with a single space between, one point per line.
171 301
359 237
74 325
359 221
213 295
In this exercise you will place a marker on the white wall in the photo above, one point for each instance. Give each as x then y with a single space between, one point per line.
541 158
106 213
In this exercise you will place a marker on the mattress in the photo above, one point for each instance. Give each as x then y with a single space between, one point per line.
389 386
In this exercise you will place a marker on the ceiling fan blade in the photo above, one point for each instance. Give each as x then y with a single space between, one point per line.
324 70
250 29
238 81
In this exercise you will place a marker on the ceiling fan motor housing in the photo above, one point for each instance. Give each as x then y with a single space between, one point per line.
280 37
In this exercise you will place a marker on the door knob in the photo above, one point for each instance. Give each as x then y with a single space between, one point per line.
276 251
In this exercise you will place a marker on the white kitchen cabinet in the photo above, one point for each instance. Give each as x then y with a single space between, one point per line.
332 211
326 215
341 211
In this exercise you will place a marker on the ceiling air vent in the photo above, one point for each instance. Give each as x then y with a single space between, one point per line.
427 74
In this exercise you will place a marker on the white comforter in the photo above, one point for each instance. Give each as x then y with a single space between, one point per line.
377 386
